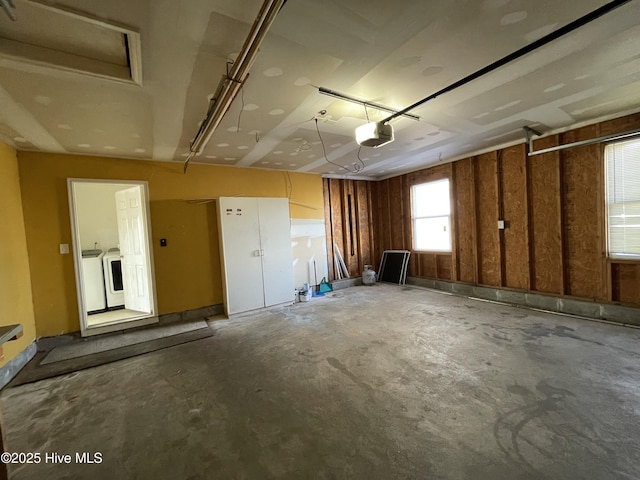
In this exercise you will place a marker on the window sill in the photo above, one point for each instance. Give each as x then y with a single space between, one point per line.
629 260
433 252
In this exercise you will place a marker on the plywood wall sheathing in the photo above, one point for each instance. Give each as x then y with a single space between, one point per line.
625 281
515 214
328 223
487 218
555 240
546 219
582 228
465 220
337 205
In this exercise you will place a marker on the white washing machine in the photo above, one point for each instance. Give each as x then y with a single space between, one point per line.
93 280
113 285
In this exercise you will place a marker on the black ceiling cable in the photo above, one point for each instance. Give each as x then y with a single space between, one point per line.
568 28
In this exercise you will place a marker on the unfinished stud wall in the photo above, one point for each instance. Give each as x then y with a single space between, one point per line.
553 206
348 224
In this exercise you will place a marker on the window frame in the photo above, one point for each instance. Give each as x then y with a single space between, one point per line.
613 256
414 218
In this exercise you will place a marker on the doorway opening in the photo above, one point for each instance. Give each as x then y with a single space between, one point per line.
112 254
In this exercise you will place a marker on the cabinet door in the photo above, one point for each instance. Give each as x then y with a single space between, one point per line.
275 238
241 254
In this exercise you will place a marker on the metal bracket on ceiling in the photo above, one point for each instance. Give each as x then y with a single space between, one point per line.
10 8
529 133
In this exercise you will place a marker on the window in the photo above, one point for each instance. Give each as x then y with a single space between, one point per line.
623 198
431 216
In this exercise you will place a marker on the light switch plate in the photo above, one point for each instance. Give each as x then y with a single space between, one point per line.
64 248
500 224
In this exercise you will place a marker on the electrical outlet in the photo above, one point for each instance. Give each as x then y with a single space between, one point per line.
500 224
64 248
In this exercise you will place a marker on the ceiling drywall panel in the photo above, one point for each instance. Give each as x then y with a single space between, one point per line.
393 53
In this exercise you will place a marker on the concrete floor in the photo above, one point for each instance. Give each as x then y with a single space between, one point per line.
381 382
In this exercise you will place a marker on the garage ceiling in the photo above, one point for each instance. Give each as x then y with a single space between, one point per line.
392 53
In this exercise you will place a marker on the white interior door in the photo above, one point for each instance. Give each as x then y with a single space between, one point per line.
241 254
130 213
275 237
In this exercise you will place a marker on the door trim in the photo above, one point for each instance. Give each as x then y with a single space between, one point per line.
138 320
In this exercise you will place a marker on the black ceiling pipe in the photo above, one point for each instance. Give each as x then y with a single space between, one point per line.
570 27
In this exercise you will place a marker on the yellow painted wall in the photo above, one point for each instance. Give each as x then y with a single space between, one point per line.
15 283
188 269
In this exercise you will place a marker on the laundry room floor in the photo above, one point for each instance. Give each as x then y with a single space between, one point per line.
381 382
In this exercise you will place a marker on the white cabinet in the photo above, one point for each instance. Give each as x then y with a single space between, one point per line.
255 249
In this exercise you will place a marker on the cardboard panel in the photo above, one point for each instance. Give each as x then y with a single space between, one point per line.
444 265
514 210
546 231
487 220
396 213
465 215
583 216
625 281
428 266
364 230
328 225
